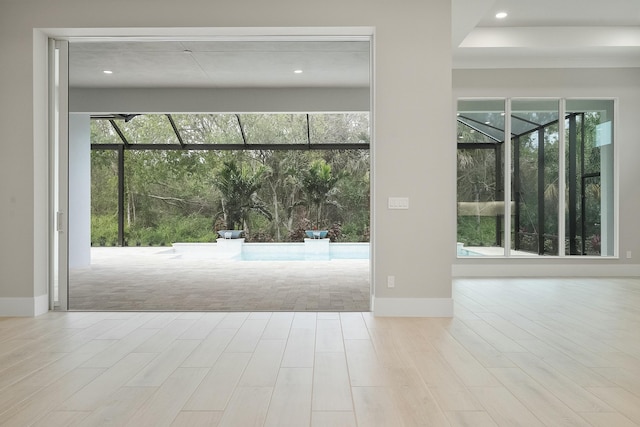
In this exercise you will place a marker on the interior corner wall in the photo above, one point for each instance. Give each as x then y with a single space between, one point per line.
618 83
79 191
412 109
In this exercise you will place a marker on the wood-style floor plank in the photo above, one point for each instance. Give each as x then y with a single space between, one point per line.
62 419
218 385
300 348
331 385
470 419
329 336
118 408
49 398
263 368
90 397
209 349
333 419
248 407
570 393
608 419
164 364
291 399
247 337
375 407
519 352
625 402
197 419
169 399
537 398
203 326
504 408
278 326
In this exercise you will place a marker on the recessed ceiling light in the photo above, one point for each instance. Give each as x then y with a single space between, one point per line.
501 15
297 71
108 72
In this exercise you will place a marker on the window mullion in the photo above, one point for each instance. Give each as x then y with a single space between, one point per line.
562 184
507 178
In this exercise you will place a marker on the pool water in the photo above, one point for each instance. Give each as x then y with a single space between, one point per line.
466 252
297 252
235 249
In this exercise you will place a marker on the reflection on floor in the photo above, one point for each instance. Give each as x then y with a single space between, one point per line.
156 279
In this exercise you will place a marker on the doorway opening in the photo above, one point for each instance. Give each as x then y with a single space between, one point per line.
156 183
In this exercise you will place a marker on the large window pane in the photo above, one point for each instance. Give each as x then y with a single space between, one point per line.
582 181
480 196
589 175
535 183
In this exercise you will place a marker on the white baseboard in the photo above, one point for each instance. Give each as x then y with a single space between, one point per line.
545 270
413 307
24 307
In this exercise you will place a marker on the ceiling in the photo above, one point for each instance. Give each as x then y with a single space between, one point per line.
546 33
538 34
219 64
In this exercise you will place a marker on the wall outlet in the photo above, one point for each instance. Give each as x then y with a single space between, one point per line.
628 254
391 281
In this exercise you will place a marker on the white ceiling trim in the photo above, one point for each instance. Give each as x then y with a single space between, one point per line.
552 37
207 33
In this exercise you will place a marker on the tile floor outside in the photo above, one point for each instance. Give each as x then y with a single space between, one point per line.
155 279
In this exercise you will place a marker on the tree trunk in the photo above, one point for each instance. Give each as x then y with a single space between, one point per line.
277 216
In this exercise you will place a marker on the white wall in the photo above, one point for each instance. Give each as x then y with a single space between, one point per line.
79 191
622 84
412 116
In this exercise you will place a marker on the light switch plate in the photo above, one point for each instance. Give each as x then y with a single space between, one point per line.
398 203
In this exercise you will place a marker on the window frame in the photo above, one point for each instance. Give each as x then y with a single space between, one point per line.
562 183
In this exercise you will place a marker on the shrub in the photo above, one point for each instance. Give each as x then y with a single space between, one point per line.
104 228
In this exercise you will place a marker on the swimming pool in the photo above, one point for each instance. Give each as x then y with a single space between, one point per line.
462 251
236 249
301 252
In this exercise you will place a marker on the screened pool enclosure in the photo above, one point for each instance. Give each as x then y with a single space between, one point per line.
164 178
557 167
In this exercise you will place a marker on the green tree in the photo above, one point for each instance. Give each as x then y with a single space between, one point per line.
173 195
239 186
318 183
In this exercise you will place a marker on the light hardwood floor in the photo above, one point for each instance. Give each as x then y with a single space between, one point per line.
525 352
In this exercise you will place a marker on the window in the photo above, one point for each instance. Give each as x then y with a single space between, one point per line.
480 196
559 173
589 175
534 177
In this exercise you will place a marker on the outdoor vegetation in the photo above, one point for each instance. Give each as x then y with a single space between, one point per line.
187 195
480 176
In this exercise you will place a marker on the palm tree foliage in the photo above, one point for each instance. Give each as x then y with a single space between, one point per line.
239 185
318 184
